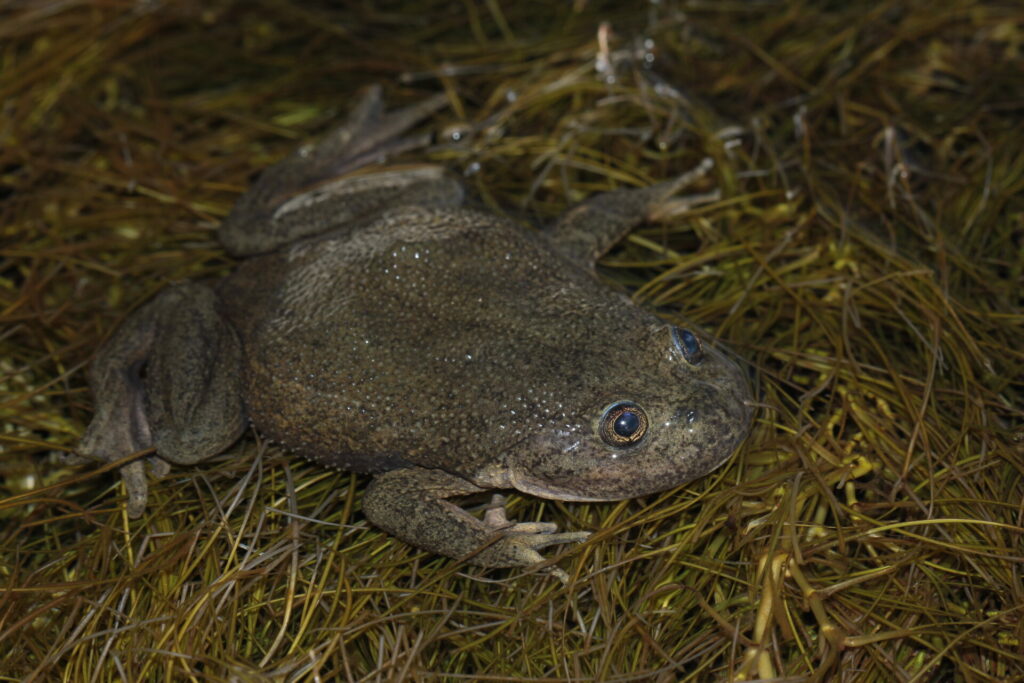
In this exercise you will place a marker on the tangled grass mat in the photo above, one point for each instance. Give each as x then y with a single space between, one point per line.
865 258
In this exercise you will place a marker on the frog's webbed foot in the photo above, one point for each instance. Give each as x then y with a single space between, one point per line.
168 379
410 504
325 186
588 230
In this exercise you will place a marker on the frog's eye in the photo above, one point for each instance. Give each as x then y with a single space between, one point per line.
689 345
623 424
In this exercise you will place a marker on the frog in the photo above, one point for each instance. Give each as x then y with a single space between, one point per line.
377 323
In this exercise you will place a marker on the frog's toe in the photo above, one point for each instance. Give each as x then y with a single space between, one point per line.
543 540
117 430
526 538
158 467
665 204
72 459
525 527
134 476
557 573
538 541
495 517
522 548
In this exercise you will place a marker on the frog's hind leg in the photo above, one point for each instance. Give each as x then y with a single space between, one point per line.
590 229
327 185
168 378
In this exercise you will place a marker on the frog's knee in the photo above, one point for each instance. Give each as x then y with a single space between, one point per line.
194 392
212 429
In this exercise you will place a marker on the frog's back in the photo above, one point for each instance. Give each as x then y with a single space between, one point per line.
430 336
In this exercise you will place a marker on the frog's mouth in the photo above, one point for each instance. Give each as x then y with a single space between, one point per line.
544 489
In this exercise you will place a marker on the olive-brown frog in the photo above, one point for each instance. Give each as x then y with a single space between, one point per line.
378 326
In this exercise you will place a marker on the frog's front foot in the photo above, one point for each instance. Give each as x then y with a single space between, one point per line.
524 539
411 504
588 230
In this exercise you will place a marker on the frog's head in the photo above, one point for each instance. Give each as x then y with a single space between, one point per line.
676 413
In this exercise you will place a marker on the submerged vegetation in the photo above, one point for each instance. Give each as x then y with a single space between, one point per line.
859 244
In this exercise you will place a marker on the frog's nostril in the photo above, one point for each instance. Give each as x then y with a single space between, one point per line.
685 416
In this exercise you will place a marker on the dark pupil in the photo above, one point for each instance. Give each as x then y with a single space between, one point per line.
626 424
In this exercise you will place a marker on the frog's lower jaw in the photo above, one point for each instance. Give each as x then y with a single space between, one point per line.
501 476
542 489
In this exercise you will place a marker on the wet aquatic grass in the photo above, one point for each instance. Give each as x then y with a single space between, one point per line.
864 256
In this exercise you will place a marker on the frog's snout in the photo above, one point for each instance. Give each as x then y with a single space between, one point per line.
712 421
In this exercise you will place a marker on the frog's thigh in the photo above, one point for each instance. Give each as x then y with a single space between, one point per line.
193 384
169 378
410 504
